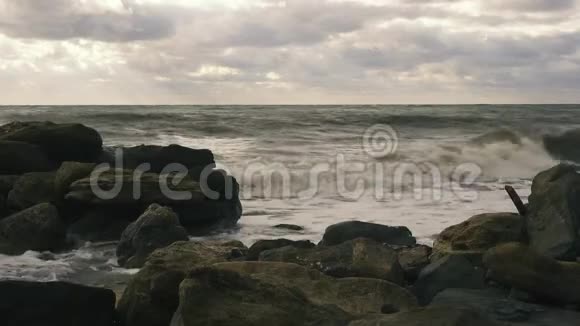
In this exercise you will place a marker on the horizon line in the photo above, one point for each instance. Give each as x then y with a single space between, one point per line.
329 104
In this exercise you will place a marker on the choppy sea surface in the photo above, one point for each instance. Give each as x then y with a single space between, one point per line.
425 167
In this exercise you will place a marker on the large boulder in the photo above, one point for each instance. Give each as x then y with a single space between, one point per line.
522 268
475 236
413 259
151 297
553 218
98 225
430 316
345 231
37 228
356 258
128 188
262 245
68 173
7 183
160 157
450 272
60 142
20 157
55 304
4 211
211 296
565 147
32 189
157 228
498 306
207 216
353 295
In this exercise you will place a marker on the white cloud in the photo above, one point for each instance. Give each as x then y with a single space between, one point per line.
214 71
294 51
273 76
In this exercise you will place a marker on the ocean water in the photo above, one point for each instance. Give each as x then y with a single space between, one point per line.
424 167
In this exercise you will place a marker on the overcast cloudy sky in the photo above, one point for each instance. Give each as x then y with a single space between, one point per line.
294 51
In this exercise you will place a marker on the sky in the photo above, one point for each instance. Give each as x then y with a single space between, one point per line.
69 52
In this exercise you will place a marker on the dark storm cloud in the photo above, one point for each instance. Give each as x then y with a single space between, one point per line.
68 19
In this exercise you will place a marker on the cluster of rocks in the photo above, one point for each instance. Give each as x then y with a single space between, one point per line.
493 269
48 202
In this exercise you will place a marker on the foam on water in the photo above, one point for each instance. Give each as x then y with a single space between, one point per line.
504 141
92 259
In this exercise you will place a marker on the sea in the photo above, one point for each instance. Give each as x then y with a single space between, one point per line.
425 167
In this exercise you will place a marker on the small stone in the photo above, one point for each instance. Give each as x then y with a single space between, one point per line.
291 227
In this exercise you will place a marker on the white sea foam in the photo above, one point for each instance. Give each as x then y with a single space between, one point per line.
499 140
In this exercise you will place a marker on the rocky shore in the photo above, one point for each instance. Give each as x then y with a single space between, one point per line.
492 269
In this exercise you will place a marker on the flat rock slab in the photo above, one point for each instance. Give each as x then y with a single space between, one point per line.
356 258
353 295
211 296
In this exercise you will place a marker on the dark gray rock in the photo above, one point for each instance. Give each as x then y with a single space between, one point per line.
55 304
345 231
290 227
128 187
197 213
356 258
413 259
32 189
159 157
475 236
60 142
553 219
565 147
98 226
20 157
158 227
262 245
37 228
151 297
494 304
547 279
7 183
430 316
207 216
449 272
4 211
68 173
